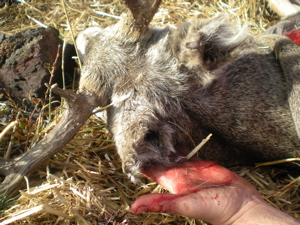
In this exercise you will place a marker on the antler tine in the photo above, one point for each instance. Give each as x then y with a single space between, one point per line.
79 108
142 12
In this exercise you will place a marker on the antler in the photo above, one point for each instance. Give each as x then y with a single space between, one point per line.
142 12
79 109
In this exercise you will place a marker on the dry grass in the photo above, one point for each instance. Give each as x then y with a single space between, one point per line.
84 184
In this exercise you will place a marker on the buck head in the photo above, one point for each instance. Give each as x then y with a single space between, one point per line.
132 59
107 54
163 70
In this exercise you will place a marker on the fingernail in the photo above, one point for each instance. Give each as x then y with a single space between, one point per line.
141 209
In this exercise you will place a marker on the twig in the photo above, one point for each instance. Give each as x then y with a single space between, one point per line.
277 162
30 6
13 102
27 184
54 67
38 209
107 15
9 148
63 64
114 103
72 33
195 150
37 22
286 187
7 128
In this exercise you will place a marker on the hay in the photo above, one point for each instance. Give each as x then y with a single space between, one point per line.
84 183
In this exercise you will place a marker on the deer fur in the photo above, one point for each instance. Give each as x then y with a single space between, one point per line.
205 76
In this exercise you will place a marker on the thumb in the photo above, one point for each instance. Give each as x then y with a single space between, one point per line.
163 202
182 204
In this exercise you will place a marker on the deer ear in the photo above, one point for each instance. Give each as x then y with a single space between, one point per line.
215 38
142 12
84 39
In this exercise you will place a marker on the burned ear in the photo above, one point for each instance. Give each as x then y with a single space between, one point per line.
215 38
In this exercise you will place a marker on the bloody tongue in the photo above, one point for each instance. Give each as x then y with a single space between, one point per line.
294 35
190 176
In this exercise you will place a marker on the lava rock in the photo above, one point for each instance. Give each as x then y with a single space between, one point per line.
26 59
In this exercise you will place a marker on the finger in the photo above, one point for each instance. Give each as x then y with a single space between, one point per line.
155 203
191 205
190 176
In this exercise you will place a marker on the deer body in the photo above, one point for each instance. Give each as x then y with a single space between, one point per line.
204 77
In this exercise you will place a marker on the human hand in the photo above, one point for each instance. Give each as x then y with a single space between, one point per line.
207 191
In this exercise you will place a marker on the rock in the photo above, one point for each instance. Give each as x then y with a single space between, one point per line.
25 63
4 3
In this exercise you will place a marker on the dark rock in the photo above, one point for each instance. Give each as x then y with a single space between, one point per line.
6 3
26 59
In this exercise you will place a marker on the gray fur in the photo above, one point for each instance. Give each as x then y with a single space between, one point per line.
206 76
285 25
